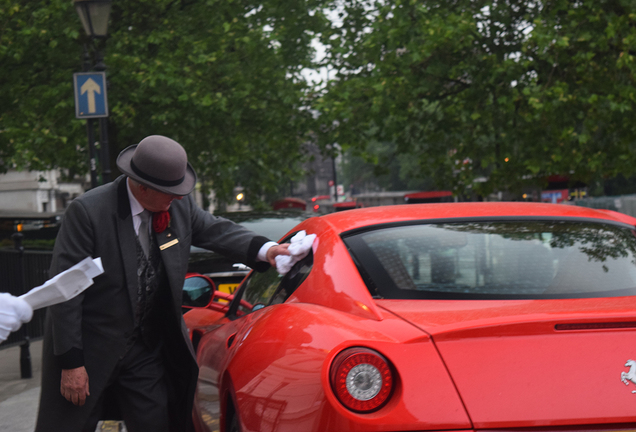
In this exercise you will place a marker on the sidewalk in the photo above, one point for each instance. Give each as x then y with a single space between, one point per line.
19 397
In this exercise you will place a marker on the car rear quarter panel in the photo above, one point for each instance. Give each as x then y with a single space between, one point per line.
334 280
280 373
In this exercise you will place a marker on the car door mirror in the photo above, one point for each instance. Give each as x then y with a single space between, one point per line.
198 291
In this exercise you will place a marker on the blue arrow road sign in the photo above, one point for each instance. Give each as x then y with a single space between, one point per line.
90 95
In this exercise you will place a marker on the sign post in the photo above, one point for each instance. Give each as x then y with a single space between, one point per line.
91 102
90 95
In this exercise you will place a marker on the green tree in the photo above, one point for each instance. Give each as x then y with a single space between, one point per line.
222 77
379 167
39 51
486 95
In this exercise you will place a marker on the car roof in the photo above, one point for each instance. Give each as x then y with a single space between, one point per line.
353 296
360 218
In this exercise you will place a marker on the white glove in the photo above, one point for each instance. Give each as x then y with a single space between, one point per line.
298 249
13 313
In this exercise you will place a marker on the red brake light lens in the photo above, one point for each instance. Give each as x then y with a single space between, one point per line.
361 379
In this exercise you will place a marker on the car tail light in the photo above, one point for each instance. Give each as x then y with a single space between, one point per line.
362 379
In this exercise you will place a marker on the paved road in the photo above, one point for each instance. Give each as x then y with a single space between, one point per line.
19 397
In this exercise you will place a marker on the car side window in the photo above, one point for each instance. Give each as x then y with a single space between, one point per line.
258 289
293 279
269 288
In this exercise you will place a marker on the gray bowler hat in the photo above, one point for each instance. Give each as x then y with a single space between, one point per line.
160 163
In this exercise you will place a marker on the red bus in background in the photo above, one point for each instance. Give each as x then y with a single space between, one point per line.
346 205
373 199
325 204
319 200
555 196
289 203
428 197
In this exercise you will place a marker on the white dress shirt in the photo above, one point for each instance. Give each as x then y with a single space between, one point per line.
136 209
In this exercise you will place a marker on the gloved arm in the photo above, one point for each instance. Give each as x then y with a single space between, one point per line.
13 313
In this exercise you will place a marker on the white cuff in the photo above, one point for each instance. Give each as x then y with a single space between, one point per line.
262 254
300 246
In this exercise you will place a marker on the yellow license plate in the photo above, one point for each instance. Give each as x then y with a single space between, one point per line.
228 288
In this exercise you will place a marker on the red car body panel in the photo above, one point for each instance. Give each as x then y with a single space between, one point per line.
288 372
459 364
347 294
513 368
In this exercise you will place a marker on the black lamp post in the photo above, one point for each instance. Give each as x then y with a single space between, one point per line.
94 16
333 148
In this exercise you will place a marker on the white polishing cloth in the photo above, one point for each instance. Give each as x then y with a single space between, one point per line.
299 248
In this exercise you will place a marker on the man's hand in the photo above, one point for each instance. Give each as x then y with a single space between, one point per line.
274 251
74 386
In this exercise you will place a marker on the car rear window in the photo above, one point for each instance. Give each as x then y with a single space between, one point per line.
497 260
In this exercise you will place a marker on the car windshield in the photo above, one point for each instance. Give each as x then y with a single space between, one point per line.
497 260
272 225
271 228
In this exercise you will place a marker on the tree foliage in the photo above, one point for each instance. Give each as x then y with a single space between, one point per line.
486 95
380 168
479 95
222 77
38 54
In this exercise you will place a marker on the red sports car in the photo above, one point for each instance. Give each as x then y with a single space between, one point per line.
431 317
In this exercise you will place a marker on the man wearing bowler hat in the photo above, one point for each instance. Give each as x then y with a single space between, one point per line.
123 340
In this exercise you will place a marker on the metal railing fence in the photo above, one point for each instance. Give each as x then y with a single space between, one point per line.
21 270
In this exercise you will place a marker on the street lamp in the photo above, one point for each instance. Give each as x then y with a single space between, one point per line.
94 17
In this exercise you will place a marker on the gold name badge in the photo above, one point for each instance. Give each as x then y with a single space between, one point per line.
167 245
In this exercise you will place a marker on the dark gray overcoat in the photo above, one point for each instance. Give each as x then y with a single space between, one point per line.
98 322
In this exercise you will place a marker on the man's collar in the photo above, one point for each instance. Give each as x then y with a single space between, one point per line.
135 207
